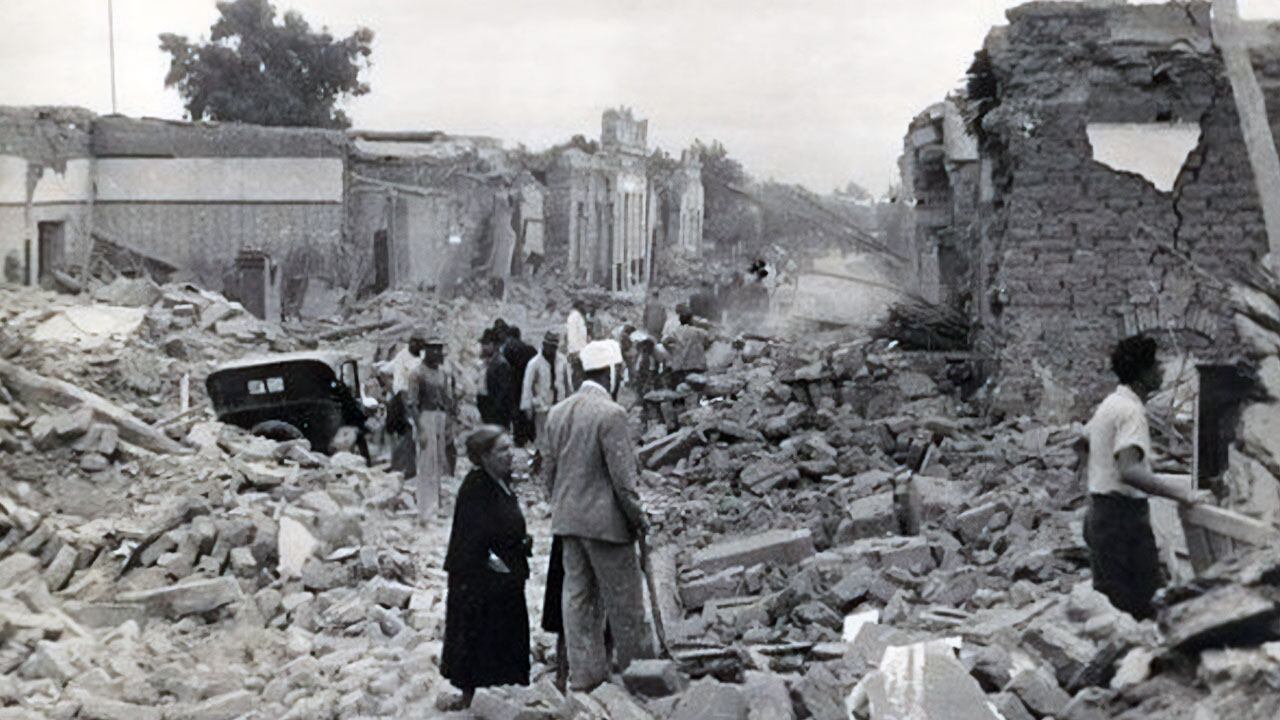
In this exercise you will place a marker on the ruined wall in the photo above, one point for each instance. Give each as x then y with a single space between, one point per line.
194 194
45 177
1071 247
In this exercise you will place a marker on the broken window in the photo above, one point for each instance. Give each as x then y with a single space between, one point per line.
1156 151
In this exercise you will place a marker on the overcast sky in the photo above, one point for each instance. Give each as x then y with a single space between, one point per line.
812 91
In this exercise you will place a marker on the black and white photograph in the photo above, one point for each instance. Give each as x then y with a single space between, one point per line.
648 360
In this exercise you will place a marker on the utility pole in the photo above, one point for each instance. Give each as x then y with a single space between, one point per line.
111 45
1251 107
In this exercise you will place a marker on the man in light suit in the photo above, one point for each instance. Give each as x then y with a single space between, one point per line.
591 474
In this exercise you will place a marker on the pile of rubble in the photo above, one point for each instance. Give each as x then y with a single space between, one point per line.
834 533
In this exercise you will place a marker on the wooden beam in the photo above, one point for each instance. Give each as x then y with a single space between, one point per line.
1251 107
1231 524
34 388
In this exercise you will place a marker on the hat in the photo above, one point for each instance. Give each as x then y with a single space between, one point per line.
640 336
600 354
433 340
551 338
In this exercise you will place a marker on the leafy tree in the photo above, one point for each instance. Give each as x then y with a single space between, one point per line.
257 69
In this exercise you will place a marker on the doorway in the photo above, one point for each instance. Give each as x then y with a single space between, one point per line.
51 244
381 261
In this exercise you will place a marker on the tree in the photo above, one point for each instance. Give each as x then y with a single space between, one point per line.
256 69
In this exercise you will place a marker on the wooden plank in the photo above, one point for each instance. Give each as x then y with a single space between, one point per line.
1231 524
34 388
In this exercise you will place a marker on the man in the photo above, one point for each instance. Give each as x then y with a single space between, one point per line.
546 382
655 315
400 418
433 403
687 346
1117 526
703 303
596 514
575 338
495 404
649 356
518 354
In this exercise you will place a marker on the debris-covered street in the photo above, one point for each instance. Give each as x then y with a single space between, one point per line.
1002 444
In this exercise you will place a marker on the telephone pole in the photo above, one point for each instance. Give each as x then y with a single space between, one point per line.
111 45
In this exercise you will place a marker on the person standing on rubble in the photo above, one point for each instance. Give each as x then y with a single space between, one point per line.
591 473
486 628
546 382
400 417
687 346
1116 455
495 404
575 338
519 354
433 394
655 315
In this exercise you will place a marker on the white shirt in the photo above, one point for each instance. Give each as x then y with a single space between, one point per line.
575 332
401 366
539 382
1119 423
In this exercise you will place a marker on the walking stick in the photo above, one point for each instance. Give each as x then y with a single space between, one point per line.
653 597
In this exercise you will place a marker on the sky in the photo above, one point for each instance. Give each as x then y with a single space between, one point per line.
817 92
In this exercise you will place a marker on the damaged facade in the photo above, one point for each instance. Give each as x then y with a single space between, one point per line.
432 211
327 211
605 211
1110 152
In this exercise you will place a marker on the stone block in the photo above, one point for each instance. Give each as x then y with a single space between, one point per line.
1067 653
59 571
822 694
696 592
765 474
1220 614
618 704
227 706
931 501
873 516
17 569
912 554
970 523
654 678
767 696
1039 692
72 424
708 699
787 547
189 597
1010 707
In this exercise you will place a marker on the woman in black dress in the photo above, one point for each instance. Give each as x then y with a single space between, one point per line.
486 634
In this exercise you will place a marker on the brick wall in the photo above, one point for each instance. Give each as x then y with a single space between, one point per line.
1070 256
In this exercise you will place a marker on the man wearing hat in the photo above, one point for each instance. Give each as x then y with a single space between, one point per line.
546 382
687 345
590 472
433 399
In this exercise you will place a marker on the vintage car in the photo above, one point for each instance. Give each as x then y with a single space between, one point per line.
311 395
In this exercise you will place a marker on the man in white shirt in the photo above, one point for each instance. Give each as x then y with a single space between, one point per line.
546 382
1117 528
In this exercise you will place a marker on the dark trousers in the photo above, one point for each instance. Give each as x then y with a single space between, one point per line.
1122 552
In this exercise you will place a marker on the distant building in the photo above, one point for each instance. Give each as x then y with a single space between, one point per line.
607 215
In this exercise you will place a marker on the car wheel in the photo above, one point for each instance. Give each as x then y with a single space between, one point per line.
277 430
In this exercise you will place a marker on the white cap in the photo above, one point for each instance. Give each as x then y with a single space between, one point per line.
600 354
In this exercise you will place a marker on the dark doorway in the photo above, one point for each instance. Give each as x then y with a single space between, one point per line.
1224 391
52 244
381 261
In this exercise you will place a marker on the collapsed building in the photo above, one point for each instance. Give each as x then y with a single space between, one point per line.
609 212
287 219
1080 190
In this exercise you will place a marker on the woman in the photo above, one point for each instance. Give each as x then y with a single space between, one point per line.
486 635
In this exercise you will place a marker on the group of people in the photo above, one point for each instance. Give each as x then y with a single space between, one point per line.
595 577
566 403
